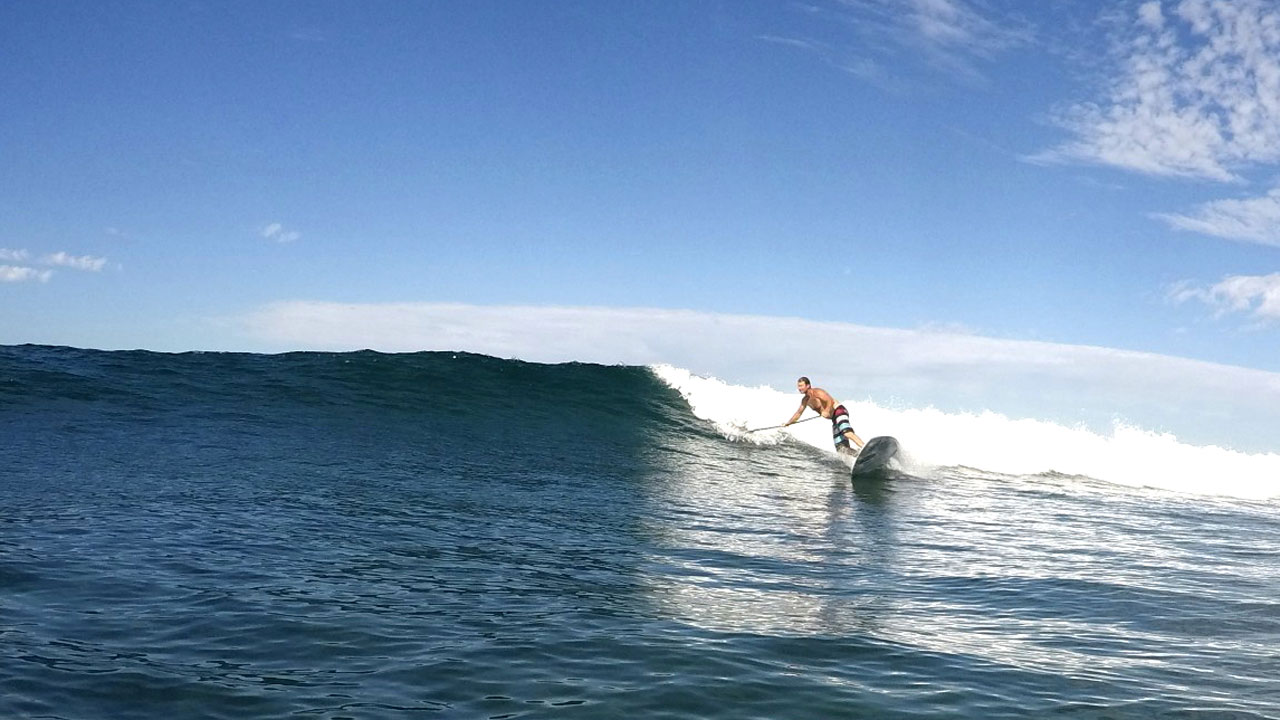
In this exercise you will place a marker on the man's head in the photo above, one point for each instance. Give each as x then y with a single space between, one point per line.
803 384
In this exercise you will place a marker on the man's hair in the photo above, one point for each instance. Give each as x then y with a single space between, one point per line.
804 380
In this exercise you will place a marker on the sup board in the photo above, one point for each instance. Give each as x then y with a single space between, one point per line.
873 460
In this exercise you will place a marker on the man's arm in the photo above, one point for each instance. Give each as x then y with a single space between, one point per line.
799 412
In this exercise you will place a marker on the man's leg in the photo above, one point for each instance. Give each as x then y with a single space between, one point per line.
854 440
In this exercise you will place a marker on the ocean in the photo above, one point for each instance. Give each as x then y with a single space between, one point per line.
449 535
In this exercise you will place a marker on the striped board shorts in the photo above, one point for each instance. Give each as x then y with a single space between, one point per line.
839 425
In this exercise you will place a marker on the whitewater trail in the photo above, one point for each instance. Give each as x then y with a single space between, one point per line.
988 441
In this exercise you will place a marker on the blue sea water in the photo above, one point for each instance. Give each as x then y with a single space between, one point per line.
446 535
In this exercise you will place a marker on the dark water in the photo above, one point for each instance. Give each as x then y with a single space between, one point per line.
436 535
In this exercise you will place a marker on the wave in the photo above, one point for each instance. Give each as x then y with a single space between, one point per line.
456 396
989 442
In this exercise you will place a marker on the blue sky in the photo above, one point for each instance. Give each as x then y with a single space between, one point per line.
1058 173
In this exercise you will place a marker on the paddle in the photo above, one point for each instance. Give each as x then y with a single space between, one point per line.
775 427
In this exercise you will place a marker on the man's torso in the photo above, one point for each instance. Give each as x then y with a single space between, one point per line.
821 402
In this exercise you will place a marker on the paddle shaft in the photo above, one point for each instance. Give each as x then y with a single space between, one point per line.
775 427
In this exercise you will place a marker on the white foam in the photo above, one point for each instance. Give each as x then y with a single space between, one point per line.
991 442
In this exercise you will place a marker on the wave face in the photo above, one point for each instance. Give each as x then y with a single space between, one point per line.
934 441
295 404
384 536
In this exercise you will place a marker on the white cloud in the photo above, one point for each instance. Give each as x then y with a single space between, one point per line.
1151 15
1254 220
1034 379
800 43
81 262
18 273
1196 93
277 232
23 273
1257 295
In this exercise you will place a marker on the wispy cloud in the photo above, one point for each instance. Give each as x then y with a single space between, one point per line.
839 57
1195 92
1021 378
14 255
88 263
1256 295
958 28
279 233
19 273
955 37
1252 220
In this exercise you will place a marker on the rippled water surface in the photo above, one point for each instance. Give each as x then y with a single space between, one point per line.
339 536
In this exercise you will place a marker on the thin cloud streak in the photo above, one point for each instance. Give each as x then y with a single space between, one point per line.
952 371
954 37
864 68
1251 220
87 263
956 26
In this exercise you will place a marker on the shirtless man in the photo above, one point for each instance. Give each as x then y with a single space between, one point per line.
821 401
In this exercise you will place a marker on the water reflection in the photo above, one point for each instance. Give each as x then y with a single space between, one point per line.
777 541
766 540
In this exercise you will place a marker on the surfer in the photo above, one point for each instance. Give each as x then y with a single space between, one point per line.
842 434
